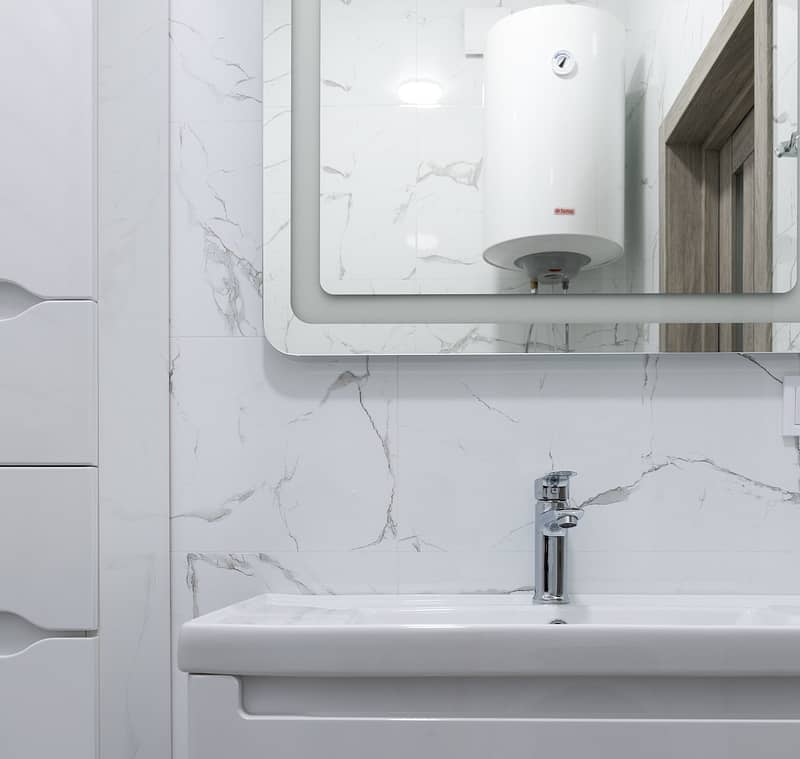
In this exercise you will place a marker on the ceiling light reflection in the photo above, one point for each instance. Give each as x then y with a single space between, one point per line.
421 93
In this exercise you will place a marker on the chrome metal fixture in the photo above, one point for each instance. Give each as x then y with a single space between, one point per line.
790 148
554 518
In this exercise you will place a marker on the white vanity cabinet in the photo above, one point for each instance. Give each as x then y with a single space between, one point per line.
298 677
219 726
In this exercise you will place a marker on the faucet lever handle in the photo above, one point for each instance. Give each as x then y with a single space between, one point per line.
554 486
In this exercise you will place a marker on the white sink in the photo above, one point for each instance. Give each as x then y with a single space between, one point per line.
408 636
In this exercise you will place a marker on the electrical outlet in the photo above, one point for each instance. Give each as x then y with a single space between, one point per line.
791 407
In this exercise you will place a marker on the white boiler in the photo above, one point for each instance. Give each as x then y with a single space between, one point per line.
555 142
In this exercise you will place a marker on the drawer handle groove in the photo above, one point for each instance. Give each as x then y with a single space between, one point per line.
15 300
18 635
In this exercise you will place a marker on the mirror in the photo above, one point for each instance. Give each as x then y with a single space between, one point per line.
467 149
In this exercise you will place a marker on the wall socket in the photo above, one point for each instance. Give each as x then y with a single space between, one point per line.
791 406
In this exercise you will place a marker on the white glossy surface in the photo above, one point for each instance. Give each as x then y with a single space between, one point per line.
219 727
47 154
496 635
691 448
554 143
50 514
134 707
365 127
48 700
694 489
48 376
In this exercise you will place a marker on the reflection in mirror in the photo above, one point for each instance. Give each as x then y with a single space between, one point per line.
550 148
717 179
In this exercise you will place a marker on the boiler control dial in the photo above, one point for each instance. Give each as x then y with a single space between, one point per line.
564 63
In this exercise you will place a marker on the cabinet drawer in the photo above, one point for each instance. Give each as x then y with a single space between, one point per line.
47 154
48 386
48 700
48 553
218 726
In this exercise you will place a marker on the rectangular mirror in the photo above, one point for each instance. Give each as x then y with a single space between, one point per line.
438 171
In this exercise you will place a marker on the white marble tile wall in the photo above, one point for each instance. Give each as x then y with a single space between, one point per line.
415 475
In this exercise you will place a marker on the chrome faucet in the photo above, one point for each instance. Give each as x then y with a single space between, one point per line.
554 518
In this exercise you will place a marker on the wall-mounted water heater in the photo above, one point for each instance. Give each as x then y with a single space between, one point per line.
554 189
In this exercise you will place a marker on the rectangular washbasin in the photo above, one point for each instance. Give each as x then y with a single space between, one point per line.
411 636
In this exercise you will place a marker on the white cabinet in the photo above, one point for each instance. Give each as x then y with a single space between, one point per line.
219 726
48 380
48 386
47 151
48 546
48 700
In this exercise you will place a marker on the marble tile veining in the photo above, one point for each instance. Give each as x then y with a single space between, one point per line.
415 474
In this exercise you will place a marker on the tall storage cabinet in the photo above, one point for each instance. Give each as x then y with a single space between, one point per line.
48 380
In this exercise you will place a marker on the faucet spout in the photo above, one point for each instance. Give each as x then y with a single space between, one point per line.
553 521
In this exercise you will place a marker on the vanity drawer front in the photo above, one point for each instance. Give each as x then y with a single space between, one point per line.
47 154
48 386
48 553
48 700
218 726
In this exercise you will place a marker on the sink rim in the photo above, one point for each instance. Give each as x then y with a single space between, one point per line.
222 643
455 603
